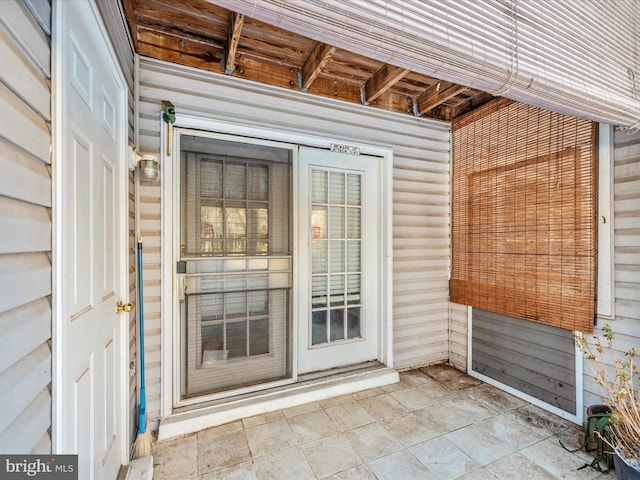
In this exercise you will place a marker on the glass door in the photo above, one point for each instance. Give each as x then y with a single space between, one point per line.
235 265
340 241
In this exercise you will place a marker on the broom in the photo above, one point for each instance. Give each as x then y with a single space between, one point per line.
142 446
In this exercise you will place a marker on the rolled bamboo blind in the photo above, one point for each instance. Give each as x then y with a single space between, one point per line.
524 214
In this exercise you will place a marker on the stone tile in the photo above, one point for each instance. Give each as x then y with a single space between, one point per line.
222 451
442 418
412 428
399 465
262 419
270 437
480 474
241 471
176 458
572 438
287 464
538 419
478 442
370 392
493 438
187 441
349 415
413 398
557 461
372 441
414 377
312 425
360 472
442 373
300 409
382 406
330 455
494 398
220 430
518 466
437 392
443 458
332 402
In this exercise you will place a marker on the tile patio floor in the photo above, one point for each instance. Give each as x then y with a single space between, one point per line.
437 423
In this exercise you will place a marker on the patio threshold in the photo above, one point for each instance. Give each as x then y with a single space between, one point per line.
309 388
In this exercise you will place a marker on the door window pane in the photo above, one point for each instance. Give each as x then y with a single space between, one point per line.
319 327
337 325
332 320
235 181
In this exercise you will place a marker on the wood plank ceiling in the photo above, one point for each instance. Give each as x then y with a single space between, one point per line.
202 35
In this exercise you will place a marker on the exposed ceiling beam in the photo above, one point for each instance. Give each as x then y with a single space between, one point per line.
318 58
233 38
382 81
130 14
436 95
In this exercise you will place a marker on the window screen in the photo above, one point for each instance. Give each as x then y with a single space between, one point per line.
523 214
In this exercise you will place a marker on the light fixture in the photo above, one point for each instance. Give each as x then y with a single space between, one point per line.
149 166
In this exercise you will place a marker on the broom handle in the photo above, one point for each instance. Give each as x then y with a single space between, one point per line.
142 423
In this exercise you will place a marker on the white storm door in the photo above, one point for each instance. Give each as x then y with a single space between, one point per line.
93 246
340 250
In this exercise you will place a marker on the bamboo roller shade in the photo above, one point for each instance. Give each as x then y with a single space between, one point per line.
523 214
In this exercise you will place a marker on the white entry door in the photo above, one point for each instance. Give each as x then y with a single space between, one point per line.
90 341
340 259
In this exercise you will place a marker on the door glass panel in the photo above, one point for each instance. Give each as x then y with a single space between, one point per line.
332 321
319 327
235 240
337 325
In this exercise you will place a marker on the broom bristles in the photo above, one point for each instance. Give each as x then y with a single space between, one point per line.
143 445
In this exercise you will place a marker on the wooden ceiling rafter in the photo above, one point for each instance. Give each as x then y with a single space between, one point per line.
436 95
233 39
381 81
203 35
318 58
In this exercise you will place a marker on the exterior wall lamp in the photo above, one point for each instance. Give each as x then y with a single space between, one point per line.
148 164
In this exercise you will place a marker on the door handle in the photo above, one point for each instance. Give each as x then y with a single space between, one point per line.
124 307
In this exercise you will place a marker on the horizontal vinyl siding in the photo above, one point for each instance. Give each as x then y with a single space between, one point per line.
458 335
25 226
420 191
626 223
534 358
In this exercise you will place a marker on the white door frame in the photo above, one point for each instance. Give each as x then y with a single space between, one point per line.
170 215
122 243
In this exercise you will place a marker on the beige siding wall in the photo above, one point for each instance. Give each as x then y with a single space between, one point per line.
626 252
420 193
25 227
458 335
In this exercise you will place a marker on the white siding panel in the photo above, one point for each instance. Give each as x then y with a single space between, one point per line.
41 11
626 324
23 278
35 181
24 379
26 431
28 34
17 70
30 323
25 223
421 188
458 335
22 126
29 227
